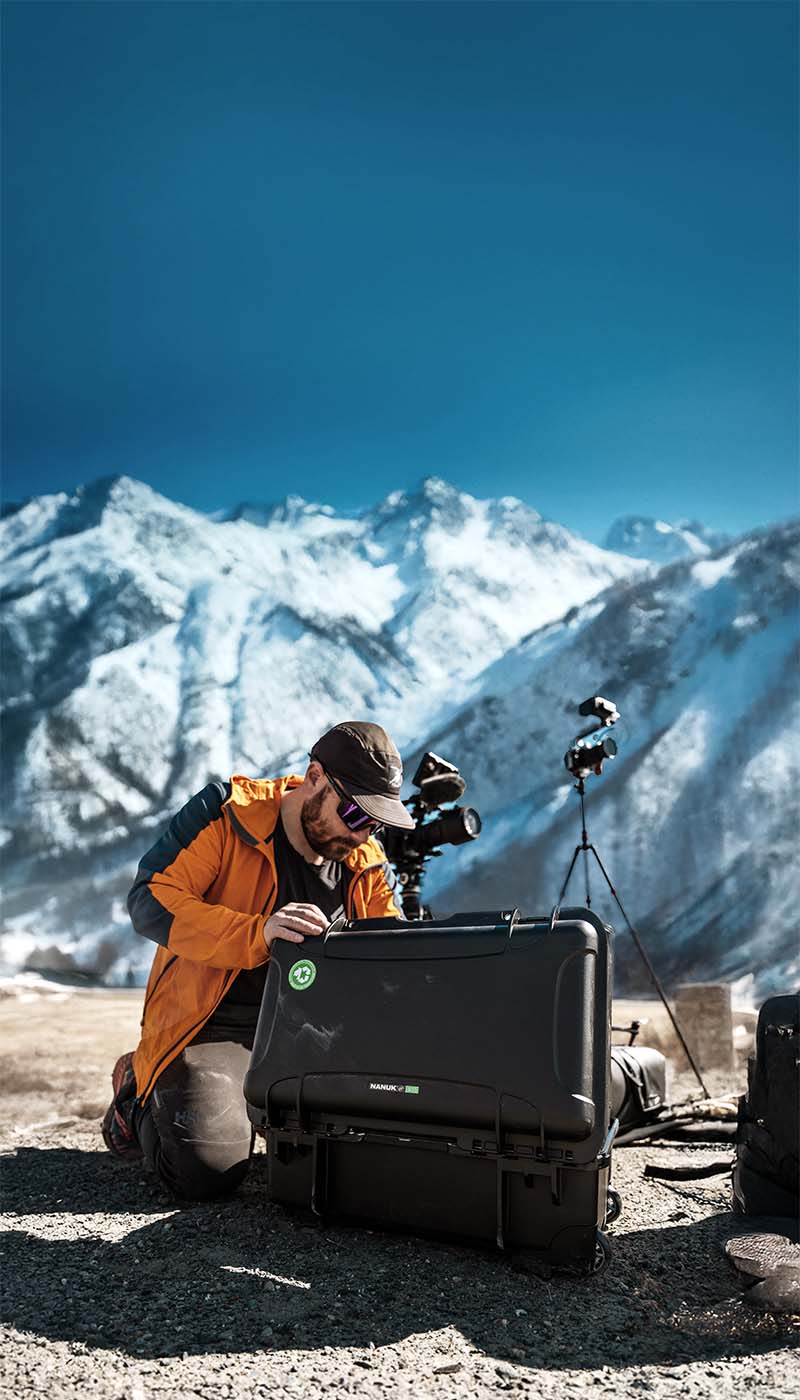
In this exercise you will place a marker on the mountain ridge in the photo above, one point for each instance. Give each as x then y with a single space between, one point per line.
693 773
153 648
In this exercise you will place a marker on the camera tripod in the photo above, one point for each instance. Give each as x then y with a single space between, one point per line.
586 847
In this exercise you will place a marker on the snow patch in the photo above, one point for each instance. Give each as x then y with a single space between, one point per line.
708 572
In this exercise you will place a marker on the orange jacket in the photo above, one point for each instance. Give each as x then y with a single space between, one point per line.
204 891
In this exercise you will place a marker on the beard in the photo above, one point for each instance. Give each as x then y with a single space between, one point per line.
317 833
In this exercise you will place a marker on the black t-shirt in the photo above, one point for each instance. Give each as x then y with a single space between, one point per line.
298 882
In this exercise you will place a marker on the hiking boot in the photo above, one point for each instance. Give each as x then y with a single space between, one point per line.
117 1125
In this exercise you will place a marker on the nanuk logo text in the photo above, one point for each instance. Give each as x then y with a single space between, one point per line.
399 1088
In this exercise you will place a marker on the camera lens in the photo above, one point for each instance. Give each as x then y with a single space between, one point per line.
587 758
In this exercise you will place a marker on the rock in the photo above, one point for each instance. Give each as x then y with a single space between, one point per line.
764 1255
780 1293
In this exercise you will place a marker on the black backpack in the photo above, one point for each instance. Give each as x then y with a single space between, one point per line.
765 1172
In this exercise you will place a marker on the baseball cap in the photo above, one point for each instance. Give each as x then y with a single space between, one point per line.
368 766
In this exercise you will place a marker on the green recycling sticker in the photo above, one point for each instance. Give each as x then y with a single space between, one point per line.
302 974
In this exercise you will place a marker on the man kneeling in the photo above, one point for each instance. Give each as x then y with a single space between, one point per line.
243 863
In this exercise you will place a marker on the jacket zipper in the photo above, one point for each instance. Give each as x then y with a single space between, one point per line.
349 898
149 996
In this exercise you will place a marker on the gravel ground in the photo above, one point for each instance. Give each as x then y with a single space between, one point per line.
110 1290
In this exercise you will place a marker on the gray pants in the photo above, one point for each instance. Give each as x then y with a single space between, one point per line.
194 1130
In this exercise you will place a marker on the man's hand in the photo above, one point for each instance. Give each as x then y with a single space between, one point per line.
294 922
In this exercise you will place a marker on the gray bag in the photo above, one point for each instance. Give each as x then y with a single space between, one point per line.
638 1084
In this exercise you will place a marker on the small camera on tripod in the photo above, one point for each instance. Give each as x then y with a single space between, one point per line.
582 758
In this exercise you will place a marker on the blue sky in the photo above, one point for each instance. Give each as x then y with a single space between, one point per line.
547 250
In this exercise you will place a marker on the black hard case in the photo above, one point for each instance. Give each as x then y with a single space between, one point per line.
451 1077
766 1172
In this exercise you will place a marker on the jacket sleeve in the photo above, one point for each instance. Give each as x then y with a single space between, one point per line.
167 900
376 893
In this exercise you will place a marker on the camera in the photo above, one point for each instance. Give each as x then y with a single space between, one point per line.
581 758
439 783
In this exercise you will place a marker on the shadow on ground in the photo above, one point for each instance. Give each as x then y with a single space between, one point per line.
245 1276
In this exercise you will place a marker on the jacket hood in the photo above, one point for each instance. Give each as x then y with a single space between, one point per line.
255 803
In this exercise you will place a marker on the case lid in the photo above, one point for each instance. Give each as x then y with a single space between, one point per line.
484 1024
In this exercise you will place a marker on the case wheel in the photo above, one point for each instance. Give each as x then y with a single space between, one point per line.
613 1206
602 1254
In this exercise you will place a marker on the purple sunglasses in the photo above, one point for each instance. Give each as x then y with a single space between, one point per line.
354 818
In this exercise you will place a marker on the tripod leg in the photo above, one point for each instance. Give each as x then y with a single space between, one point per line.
568 874
653 977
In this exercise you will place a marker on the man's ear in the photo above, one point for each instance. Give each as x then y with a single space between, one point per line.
314 773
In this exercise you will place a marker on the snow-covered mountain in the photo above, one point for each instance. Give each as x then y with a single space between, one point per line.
696 819
149 647
642 537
